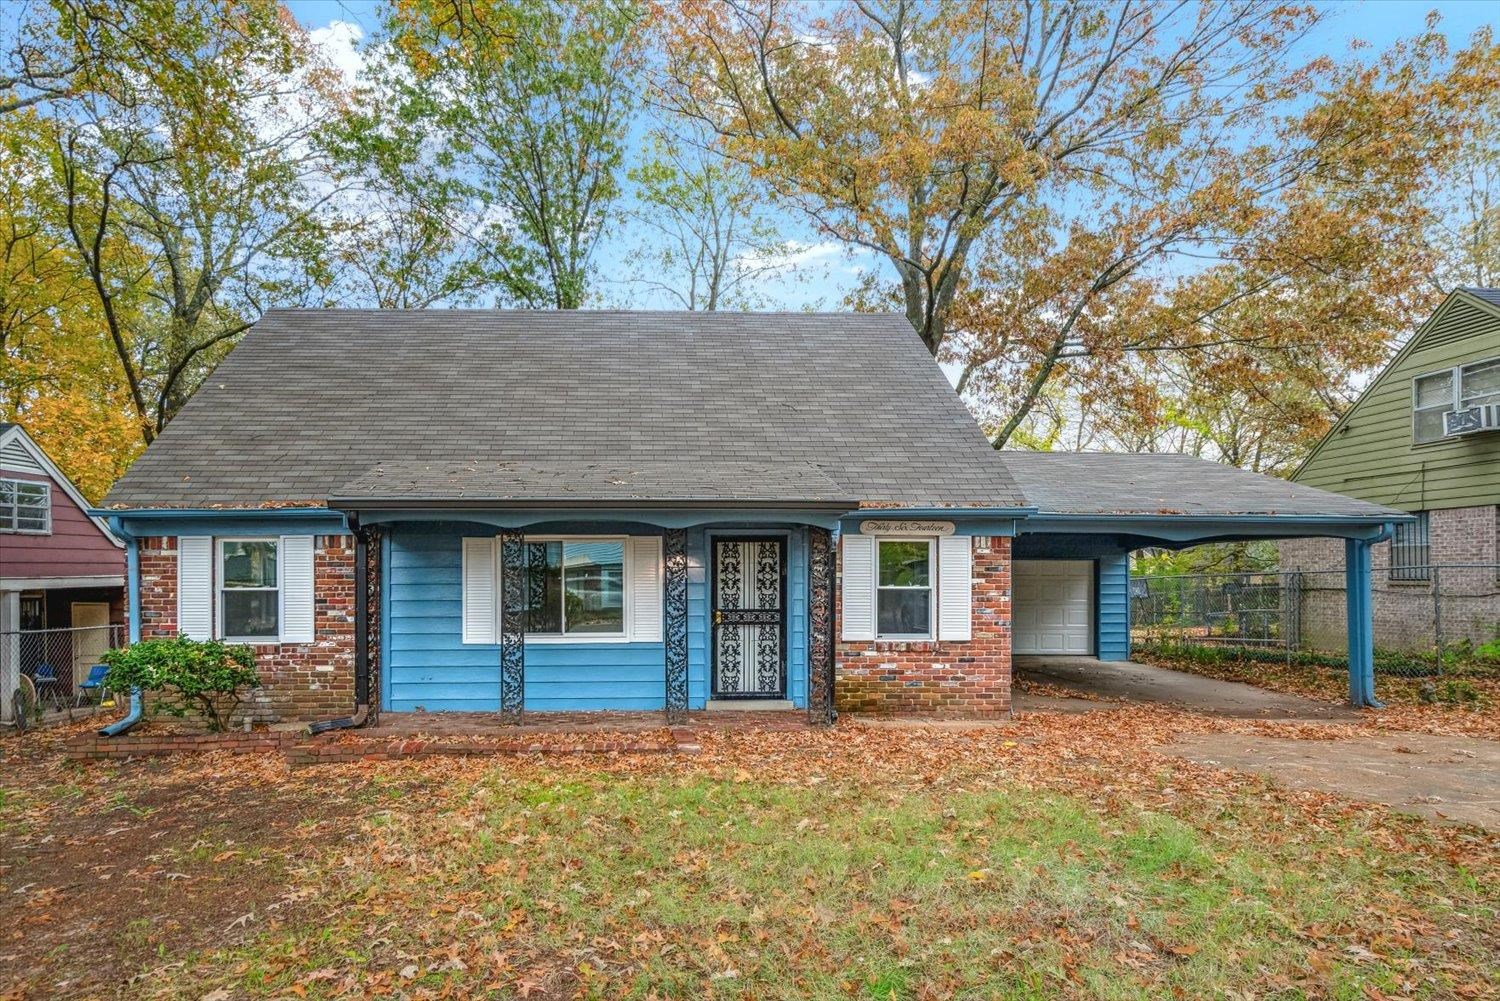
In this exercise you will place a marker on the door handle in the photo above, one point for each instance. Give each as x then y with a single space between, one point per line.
718 616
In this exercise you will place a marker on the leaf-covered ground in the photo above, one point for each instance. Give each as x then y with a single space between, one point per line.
1055 857
1472 697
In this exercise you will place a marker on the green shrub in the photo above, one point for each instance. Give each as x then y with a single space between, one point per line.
1454 692
204 676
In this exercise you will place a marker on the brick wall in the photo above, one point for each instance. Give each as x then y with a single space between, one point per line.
949 678
301 681
1469 599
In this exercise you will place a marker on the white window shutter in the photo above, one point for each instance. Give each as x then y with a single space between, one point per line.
955 587
479 591
857 577
195 586
297 586
645 589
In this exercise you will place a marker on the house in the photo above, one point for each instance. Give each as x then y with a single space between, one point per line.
1424 437
62 575
504 511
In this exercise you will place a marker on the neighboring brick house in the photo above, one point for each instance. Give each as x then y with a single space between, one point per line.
1424 437
62 575
494 511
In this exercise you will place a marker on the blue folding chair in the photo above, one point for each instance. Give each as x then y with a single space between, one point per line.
47 683
92 686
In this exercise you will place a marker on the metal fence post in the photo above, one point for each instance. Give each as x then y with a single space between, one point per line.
1437 615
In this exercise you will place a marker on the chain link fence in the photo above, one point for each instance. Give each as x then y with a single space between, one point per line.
47 673
1429 620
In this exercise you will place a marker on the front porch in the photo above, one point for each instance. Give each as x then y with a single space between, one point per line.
601 621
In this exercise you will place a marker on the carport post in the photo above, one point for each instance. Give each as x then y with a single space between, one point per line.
1361 616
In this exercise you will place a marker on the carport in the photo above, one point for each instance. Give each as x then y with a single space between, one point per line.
1071 570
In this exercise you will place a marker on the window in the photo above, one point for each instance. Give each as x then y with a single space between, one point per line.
25 506
249 590
575 587
1410 552
1479 384
903 588
1432 397
1458 388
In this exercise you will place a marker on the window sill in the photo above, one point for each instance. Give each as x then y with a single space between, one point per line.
25 531
593 638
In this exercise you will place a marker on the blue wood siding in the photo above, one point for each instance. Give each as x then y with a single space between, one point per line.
427 666
1113 625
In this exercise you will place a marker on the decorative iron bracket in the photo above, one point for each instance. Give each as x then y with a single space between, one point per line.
512 625
674 551
821 576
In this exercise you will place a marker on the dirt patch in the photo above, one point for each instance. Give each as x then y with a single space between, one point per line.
104 867
1454 779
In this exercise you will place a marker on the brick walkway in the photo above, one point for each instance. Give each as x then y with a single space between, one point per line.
425 735
490 725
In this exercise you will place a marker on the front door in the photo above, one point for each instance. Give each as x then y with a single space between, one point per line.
90 636
749 618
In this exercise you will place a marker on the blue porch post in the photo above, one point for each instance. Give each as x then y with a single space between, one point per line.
1361 618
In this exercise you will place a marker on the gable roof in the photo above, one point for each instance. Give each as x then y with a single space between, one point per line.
1485 299
514 406
16 447
1135 484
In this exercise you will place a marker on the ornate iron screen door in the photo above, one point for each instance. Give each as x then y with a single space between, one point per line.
749 618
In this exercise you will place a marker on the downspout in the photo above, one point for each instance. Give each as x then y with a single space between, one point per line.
361 638
133 614
1361 641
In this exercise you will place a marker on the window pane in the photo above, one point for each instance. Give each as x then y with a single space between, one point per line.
903 564
1481 383
31 493
595 581
544 587
29 521
1427 425
1435 390
249 564
905 612
249 613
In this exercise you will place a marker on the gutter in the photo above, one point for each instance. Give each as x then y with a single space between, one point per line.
133 614
351 504
361 638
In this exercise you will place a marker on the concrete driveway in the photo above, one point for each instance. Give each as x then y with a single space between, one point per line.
1127 681
1445 778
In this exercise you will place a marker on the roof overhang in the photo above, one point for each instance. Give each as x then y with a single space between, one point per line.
1175 530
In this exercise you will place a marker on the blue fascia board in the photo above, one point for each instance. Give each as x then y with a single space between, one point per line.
219 521
658 517
1187 528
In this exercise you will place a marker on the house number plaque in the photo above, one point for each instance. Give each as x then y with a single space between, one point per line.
893 527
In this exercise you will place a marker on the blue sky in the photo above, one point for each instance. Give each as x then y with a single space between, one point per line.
828 274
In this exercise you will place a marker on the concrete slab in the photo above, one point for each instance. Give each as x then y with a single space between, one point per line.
1454 779
1127 681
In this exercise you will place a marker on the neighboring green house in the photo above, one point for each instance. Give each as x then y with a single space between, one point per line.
1424 438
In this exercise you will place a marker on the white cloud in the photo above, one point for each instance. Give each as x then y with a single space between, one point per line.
338 43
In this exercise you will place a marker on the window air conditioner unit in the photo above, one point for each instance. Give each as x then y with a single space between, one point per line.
1472 420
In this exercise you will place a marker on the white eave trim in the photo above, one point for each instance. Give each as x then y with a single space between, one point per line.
19 434
54 583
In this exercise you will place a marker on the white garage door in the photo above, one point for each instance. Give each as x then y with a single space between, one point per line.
1052 606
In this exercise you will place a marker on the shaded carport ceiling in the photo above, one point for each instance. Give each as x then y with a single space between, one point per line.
1176 501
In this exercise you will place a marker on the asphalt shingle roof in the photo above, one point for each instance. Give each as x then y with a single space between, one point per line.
606 406
1103 483
1489 295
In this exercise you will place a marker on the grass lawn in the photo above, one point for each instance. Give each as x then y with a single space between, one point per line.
1058 857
